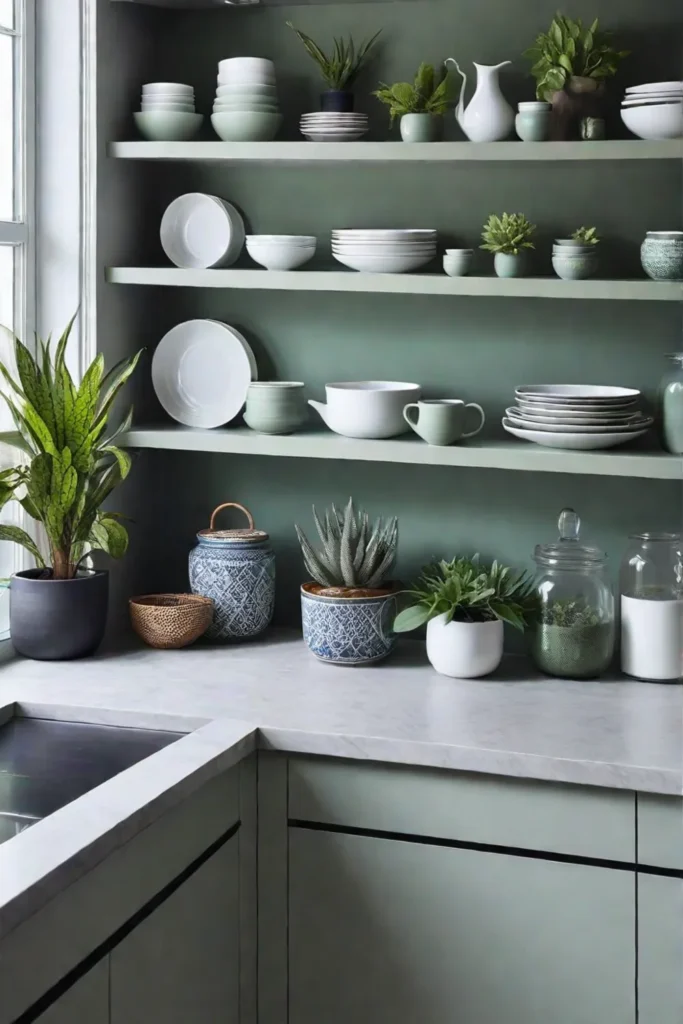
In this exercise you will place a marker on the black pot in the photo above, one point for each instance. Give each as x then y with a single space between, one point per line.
338 100
56 620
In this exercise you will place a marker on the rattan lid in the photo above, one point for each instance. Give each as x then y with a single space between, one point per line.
249 536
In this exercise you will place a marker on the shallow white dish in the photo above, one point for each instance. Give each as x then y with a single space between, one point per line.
572 442
274 256
577 392
200 231
283 240
385 264
167 125
367 408
577 417
201 371
662 121
642 423
167 88
649 87
238 65
383 234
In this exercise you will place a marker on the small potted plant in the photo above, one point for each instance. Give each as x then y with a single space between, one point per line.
349 603
69 466
576 258
572 640
571 64
508 237
419 105
339 69
465 605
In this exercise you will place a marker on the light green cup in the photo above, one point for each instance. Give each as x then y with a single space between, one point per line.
276 407
441 421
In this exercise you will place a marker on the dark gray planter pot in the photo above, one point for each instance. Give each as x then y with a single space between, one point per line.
57 620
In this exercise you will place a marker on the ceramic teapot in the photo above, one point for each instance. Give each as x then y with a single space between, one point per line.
489 117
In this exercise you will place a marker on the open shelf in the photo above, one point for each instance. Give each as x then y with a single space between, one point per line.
397 152
405 284
323 444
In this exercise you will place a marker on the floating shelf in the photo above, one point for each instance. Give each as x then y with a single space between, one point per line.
404 284
397 152
513 455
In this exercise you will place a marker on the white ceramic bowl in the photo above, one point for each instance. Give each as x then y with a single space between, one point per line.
367 408
653 100
200 231
264 91
246 79
167 89
385 264
183 108
283 241
279 257
649 87
246 126
240 65
663 121
167 125
246 105
339 137
458 265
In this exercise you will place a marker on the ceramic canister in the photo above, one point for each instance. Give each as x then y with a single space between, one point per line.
276 407
661 255
236 569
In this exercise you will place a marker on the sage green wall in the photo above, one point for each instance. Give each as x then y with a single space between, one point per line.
477 349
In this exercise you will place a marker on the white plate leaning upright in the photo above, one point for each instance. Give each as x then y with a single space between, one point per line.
199 231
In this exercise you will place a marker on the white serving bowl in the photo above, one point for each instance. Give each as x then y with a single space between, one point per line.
246 105
649 87
246 126
385 264
367 408
663 121
279 257
167 89
240 65
246 80
167 125
283 240
264 91
182 108
200 231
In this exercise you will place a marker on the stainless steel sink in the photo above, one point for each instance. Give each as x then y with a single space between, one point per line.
44 765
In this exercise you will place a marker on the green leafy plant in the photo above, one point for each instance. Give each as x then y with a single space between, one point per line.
353 553
587 236
568 50
569 614
465 591
342 66
509 234
428 94
70 463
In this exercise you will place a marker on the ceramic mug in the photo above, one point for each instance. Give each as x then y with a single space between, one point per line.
276 407
441 421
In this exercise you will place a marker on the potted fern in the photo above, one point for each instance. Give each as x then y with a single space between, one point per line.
419 104
68 464
339 69
348 605
465 605
508 237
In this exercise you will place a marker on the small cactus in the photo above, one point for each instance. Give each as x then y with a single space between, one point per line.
353 554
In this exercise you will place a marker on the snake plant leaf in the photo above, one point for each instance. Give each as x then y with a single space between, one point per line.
123 428
109 535
40 480
60 352
123 458
35 387
15 440
113 382
38 429
19 536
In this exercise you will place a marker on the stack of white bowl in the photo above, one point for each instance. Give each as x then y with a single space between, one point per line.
654 110
281 252
330 126
581 417
246 106
167 112
384 252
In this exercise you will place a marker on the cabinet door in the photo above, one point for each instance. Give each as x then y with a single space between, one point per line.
87 1002
383 930
181 963
660 949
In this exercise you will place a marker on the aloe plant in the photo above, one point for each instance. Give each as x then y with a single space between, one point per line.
428 94
589 236
69 463
353 554
509 234
341 67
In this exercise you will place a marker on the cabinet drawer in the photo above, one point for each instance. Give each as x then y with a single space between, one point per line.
574 820
660 831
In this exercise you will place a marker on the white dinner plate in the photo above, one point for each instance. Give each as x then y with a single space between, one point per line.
201 371
572 416
385 264
573 442
200 231
649 87
383 234
576 392
642 423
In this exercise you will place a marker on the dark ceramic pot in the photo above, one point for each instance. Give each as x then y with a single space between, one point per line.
337 100
57 620
581 98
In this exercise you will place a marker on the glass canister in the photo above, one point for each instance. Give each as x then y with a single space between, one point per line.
574 634
671 405
236 569
651 587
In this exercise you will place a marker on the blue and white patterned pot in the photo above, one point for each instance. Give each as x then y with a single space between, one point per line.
348 630
236 569
661 255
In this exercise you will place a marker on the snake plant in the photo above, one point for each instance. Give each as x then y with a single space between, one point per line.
68 462
341 67
353 553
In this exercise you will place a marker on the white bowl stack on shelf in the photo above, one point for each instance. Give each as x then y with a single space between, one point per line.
582 417
331 126
281 252
167 112
654 110
384 251
246 107
200 231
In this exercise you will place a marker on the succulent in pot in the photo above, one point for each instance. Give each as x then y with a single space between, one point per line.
339 69
465 605
419 104
68 466
576 258
349 603
508 237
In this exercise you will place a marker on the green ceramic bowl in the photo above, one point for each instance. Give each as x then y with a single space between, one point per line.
246 126
167 126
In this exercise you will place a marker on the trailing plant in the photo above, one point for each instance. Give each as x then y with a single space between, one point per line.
509 234
587 236
353 553
342 66
569 614
428 94
568 50
465 591
70 463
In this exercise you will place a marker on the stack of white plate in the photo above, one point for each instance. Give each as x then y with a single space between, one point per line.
200 231
246 106
167 112
654 110
384 252
329 126
577 416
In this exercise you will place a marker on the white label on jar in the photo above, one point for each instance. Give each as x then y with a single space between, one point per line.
651 638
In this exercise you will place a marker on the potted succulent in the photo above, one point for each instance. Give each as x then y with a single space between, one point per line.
465 605
69 465
419 105
570 65
576 258
339 69
571 640
348 605
508 237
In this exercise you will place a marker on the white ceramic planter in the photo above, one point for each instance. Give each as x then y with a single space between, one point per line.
464 650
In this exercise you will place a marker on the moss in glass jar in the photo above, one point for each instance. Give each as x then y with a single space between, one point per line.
572 641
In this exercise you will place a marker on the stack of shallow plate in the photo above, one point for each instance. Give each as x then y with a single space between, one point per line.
654 110
330 126
582 417
384 252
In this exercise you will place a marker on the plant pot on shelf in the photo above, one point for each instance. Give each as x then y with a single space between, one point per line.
464 650
508 264
581 98
337 100
420 127
348 626
58 620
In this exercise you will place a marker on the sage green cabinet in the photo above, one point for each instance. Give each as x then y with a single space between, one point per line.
86 1002
660 949
388 930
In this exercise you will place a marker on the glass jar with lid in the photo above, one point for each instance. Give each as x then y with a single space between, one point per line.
574 633
671 405
651 585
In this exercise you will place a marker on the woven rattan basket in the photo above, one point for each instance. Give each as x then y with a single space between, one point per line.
170 621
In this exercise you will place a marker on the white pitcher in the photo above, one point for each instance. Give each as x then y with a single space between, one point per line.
489 117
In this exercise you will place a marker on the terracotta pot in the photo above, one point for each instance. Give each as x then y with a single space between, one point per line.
580 98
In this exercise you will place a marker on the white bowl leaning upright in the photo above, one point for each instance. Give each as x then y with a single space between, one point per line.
200 231
367 408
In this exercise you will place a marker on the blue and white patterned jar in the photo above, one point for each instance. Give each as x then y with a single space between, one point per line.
343 630
236 569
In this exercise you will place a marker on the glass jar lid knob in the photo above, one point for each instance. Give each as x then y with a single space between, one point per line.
569 525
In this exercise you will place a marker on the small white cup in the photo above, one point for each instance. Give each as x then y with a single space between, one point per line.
458 262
